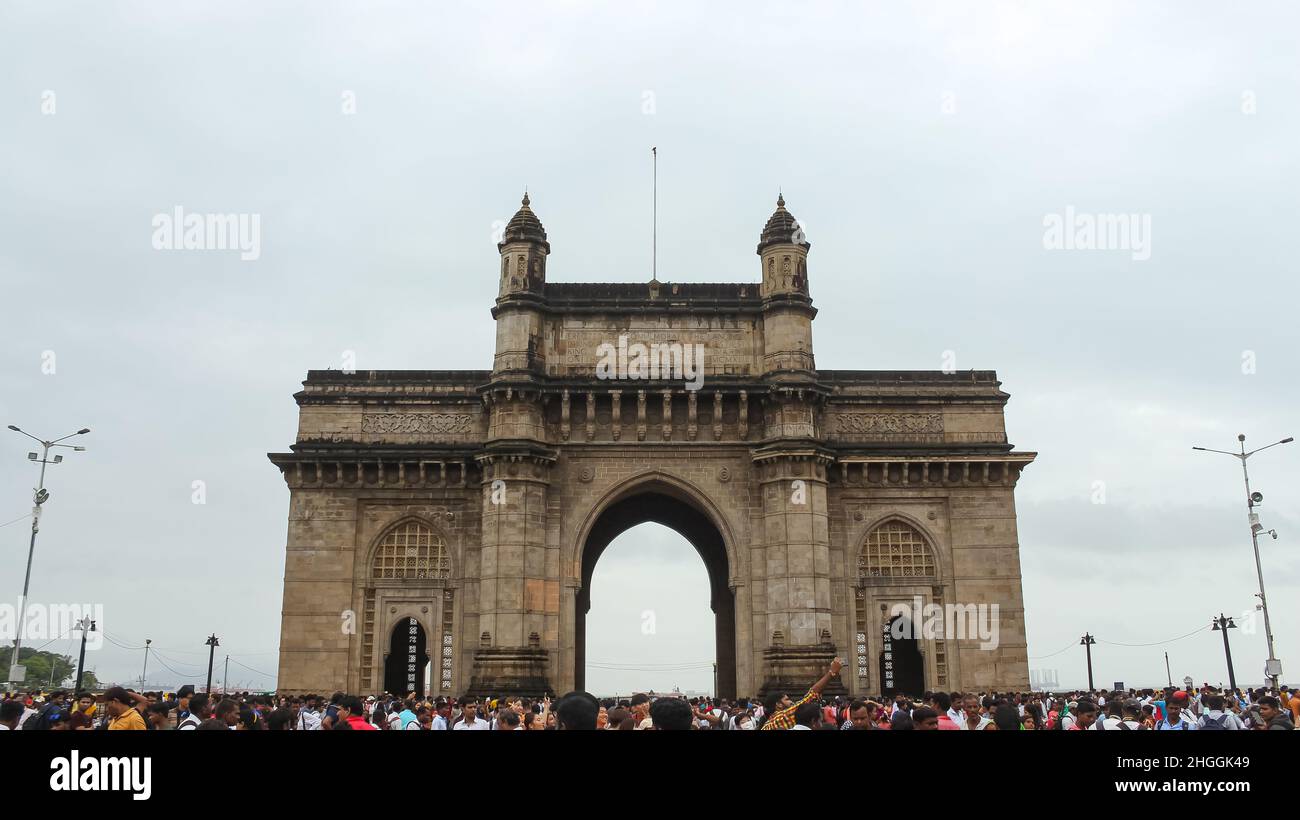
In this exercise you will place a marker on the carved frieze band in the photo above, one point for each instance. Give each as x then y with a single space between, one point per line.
888 423
418 423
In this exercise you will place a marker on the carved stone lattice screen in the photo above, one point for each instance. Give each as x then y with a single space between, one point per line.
411 550
895 550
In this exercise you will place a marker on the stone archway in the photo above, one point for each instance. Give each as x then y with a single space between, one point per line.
659 503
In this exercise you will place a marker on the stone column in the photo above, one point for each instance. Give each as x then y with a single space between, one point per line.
516 597
798 571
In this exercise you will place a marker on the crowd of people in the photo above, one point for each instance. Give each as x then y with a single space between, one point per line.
1205 708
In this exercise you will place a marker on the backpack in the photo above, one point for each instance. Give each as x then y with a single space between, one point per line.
40 720
1219 724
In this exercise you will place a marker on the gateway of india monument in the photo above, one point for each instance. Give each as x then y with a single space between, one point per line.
444 524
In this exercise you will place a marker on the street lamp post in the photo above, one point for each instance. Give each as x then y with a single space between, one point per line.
1087 640
1223 624
145 671
40 496
212 644
85 625
1272 667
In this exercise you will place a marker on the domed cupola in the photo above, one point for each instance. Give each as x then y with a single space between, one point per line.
524 226
783 247
523 249
782 229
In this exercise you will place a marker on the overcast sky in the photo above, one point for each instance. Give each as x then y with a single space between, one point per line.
922 146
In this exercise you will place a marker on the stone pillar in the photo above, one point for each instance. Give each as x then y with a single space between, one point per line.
518 602
798 571
315 654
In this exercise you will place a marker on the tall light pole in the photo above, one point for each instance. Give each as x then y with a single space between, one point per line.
1087 640
1273 666
40 496
212 644
145 671
85 625
1223 624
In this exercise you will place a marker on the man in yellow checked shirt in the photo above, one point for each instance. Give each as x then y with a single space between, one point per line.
780 709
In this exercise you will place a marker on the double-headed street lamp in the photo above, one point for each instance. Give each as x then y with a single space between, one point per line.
1222 624
1272 667
40 497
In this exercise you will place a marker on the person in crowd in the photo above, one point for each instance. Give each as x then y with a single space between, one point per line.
670 714
1085 715
973 719
280 720
1006 717
941 703
641 711
1215 718
158 716
860 717
576 711
925 719
122 714
11 712
198 712
442 716
309 717
1272 717
779 710
469 719
352 713
1173 719
808 716
508 721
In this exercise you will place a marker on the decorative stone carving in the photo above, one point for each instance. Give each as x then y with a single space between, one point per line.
418 423
888 423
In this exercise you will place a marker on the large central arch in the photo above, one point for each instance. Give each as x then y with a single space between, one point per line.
663 502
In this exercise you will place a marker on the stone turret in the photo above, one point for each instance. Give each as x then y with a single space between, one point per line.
788 312
523 249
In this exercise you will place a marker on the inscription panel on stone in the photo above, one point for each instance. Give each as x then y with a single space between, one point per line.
729 349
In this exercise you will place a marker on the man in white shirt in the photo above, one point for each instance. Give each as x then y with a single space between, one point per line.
470 721
28 711
309 716
1114 718
971 718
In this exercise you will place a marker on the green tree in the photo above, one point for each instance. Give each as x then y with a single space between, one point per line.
39 667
